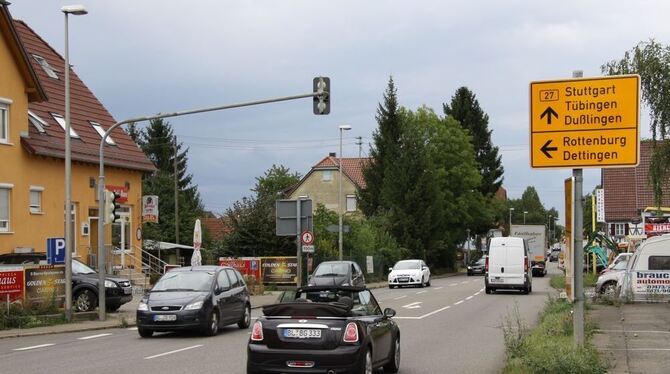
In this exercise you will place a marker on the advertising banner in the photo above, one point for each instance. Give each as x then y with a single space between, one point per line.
279 270
247 266
653 229
651 282
44 284
150 208
11 284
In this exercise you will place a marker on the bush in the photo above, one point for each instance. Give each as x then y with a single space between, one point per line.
549 348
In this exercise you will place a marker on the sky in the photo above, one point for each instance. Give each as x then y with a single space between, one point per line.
150 56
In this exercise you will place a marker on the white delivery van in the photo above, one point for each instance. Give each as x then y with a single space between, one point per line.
508 265
647 277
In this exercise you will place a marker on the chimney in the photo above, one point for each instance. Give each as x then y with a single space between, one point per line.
332 154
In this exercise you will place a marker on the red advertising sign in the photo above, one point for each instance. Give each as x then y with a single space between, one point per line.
652 229
121 190
247 266
12 285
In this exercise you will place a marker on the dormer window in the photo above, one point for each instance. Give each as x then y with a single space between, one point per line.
45 66
61 122
36 121
98 128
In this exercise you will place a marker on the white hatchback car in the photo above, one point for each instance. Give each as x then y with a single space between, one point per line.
409 272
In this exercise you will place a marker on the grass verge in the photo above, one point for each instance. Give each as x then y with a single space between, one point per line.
558 281
549 348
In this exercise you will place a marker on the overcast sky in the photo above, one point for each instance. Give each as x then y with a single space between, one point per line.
150 56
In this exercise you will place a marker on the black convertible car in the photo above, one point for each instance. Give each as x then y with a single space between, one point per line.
320 329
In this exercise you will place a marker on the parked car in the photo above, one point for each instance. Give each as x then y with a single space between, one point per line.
607 281
203 298
118 291
331 329
619 258
409 272
477 267
555 253
508 265
647 275
337 273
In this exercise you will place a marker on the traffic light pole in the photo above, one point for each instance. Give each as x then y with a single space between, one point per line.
102 254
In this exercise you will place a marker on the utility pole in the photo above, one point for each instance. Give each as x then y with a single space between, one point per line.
578 260
176 197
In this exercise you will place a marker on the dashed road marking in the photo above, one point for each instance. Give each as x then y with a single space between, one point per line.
93 336
469 297
171 352
464 282
453 284
132 328
420 292
414 305
438 288
458 302
400 297
33 347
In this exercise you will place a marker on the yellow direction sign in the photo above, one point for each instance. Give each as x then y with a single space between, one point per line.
590 122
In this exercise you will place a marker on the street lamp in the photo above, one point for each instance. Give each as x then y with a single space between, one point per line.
76 10
524 216
339 195
510 220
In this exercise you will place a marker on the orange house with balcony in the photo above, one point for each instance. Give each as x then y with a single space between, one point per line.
32 169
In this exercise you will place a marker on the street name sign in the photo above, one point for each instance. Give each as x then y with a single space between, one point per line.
585 122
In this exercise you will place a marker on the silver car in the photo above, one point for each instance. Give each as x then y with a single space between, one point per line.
607 282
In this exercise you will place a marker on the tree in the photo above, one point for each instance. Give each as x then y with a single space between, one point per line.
651 60
383 153
253 218
465 109
537 214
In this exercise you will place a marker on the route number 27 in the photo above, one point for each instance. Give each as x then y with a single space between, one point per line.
548 95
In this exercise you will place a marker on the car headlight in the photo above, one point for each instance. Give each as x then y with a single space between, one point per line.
469 267
194 306
345 284
110 284
143 307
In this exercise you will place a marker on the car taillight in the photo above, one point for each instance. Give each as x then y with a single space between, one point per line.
525 263
351 333
487 264
257 332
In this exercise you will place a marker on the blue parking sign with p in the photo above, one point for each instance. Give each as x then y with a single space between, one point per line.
55 251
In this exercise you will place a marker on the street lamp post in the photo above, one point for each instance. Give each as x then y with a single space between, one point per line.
339 194
76 10
510 220
524 216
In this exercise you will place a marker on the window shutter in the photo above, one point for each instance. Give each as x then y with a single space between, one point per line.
612 229
626 229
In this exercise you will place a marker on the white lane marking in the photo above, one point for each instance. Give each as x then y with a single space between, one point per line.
435 311
638 349
132 329
458 302
482 290
637 331
453 284
406 317
33 347
477 293
465 282
171 352
93 336
469 297
438 288
414 305
420 292
400 297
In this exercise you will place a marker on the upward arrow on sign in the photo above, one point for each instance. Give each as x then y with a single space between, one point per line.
548 113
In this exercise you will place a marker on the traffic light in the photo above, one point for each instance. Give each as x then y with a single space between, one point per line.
322 100
112 211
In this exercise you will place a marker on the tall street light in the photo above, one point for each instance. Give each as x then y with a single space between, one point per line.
339 195
510 220
524 216
76 10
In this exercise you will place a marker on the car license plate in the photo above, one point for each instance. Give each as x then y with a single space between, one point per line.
128 290
302 333
165 317
403 279
497 280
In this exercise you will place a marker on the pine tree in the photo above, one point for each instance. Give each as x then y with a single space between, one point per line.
465 109
383 153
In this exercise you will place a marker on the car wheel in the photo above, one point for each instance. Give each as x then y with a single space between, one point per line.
394 361
608 288
246 318
391 287
85 301
145 333
212 327
488 290
428 283
422 283
530 288
469 274
366 365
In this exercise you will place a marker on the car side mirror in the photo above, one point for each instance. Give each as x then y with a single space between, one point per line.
390 269
388 312
424 268
220 289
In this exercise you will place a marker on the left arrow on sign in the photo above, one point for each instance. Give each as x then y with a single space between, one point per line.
546 148
548 113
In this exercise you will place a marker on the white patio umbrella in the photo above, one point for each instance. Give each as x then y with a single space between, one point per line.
196 259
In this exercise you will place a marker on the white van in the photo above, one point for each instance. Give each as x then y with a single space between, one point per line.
508 265
647 277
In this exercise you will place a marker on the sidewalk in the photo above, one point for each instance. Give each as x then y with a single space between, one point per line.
633 338
125 316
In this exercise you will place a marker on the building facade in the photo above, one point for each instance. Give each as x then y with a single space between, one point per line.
32 176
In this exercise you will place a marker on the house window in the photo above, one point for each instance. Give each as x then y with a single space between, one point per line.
327 175
620 229
5 194
36 199
36 121
61 122
4 123
351 203
45 66
101 132
659 263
